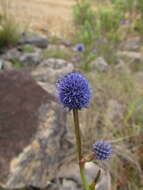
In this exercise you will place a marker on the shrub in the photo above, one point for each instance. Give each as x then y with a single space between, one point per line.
82 13
9 33
85 22
140 6
109 20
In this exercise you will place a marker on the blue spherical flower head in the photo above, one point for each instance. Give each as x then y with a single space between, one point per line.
80 47
74 91
103 150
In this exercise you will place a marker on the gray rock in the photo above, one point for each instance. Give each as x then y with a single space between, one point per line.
131 44
100 65
51 69
91 169
122 67
8 66
64 184
30 59
69 185
1 64
114 112
135 57
139 75
105 183
41 42
12 54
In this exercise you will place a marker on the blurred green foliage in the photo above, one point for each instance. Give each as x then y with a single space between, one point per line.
9 34
9 29
105 27
16 64
111 24
58 53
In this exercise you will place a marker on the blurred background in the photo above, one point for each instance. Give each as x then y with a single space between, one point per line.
104 41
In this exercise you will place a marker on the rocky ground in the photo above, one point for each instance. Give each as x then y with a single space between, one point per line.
29 73
16 65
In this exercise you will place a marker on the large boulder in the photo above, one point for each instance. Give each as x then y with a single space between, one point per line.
32 128
38 41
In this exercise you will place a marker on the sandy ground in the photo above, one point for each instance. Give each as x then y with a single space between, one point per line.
52 16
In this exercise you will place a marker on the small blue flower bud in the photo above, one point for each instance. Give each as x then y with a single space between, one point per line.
74 91
80 47
103 150
94 51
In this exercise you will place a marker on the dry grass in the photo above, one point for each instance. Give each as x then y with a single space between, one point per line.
44 15
116 91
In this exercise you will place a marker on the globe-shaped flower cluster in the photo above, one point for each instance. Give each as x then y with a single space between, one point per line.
74 91
103 150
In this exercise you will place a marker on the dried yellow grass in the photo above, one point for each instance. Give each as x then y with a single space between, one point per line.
43 15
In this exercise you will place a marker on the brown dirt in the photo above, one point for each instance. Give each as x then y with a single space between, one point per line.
44 15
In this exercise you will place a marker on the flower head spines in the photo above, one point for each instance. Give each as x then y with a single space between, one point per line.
103 150
74 91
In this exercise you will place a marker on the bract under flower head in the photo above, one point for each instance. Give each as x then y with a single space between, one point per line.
103 150
74 91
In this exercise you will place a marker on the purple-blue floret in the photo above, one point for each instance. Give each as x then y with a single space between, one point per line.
80 47
74 91
103 150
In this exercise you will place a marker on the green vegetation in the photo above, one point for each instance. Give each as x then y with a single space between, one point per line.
56 53
27 48
16 64
103 29
9 33
117 109
84 19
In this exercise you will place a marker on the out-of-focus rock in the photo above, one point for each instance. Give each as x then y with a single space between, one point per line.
114 113
131 44
28 59
122 67
41 42
8 66
135 57
50 70
12 54
70 179
1 64
100 65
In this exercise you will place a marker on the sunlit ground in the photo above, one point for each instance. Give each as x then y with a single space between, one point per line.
44 15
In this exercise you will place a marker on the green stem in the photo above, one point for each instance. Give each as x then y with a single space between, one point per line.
83 177
79 148
77 134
